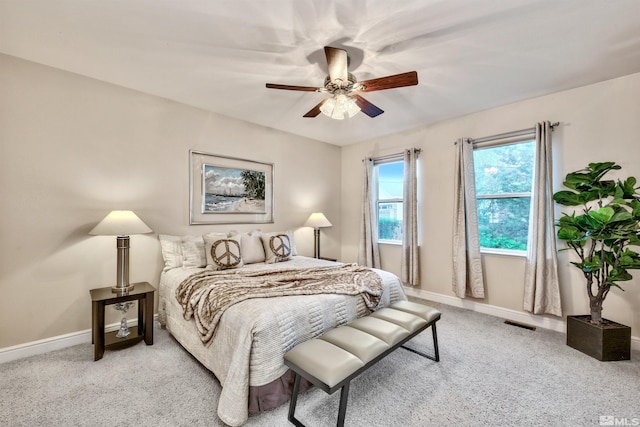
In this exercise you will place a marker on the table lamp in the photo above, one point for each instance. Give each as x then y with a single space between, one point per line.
317 220
121 224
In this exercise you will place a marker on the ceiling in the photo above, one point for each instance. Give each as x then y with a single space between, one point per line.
217 55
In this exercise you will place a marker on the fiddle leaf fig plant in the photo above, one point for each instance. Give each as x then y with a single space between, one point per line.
602 229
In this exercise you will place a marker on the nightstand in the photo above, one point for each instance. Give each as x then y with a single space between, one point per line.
101 297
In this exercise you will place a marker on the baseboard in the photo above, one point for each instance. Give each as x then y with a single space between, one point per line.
541 321
46 345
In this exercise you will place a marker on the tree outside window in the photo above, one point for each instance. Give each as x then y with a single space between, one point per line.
504 177
390 201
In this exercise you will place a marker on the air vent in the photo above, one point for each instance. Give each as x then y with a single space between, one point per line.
520 325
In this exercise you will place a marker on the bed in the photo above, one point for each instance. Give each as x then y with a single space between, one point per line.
246 351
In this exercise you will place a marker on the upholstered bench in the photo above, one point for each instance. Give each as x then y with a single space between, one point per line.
331 361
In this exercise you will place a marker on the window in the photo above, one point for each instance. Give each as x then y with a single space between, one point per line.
504 178
390 177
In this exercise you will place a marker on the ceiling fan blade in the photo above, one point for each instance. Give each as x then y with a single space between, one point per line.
366 107
389 82
315 110
290 87
337 61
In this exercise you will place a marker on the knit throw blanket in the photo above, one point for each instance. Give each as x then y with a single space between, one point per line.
205 296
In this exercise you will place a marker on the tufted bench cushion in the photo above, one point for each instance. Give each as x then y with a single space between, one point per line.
331 361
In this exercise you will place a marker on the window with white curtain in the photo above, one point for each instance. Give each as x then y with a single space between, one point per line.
389 175
504 179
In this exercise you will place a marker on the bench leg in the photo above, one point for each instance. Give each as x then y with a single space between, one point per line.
436 355
342 411
435 343
294 401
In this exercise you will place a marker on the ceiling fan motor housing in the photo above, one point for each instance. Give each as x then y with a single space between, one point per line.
333 86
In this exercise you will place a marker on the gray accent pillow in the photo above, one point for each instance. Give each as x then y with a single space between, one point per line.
277 247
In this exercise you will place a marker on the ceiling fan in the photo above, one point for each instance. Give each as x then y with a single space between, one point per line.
345 89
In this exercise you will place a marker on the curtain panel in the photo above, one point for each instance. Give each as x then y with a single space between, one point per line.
467 264
368 253
410 261
541 287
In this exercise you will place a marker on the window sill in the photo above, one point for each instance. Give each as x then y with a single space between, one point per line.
389 242
506 252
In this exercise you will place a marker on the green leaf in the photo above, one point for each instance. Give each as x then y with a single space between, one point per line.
619 275
588 223
602 215
634 239
630 260
568 198
577 180
596 167
622 215
566 219
609 257
588 267
628 187
570 233
598 170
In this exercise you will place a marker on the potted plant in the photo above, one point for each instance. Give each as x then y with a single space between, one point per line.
601 234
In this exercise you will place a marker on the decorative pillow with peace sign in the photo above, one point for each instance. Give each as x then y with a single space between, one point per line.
277 247
222 252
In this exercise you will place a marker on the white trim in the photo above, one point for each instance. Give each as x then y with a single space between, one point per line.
505 313
46 345
505 252
390 242
33 348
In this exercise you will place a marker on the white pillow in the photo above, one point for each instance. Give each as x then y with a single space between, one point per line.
251 246
171 251
223 252
294 251
193 252
277 246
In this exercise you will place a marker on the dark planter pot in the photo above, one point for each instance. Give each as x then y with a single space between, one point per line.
607 342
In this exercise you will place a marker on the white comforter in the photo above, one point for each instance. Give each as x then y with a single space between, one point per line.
253 335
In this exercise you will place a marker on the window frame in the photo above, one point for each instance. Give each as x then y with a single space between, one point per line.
399 158
502 143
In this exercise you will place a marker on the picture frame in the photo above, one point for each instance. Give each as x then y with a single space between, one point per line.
229 190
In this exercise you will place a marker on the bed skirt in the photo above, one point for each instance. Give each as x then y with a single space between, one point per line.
274 394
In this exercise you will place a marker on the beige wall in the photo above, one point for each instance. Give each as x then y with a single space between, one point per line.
73 148
598 123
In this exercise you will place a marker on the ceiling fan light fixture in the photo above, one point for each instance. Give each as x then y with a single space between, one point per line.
339 106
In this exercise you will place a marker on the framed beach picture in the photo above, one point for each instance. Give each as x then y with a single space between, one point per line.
228 190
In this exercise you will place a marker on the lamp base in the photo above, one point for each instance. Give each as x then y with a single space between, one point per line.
122 289
316 243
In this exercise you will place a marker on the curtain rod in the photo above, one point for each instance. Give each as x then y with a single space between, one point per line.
506 135
392 156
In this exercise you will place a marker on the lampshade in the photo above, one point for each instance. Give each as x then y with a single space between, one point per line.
338 106
120 223
317 220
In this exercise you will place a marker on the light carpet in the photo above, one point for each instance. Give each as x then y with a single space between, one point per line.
489 374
